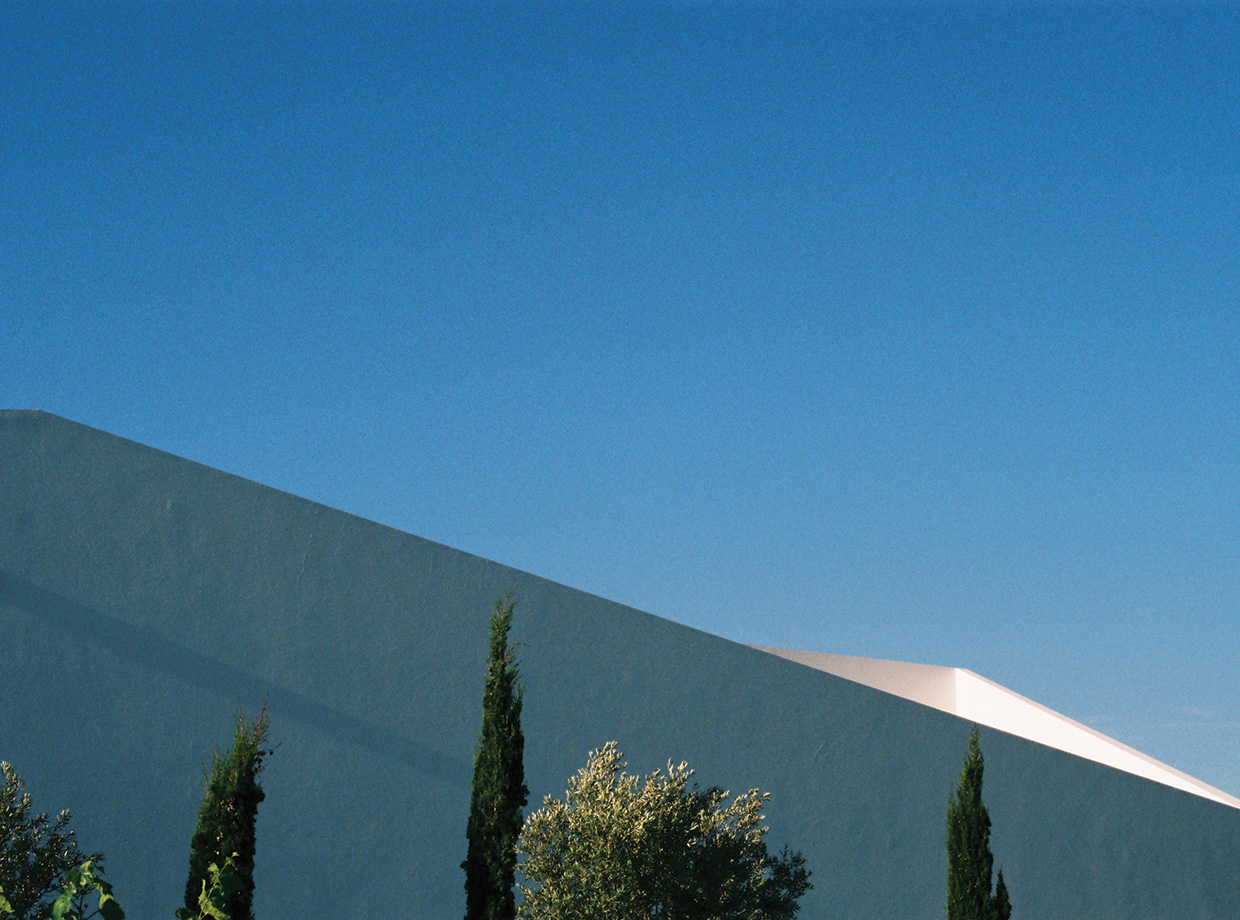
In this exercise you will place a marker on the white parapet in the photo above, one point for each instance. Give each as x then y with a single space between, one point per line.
973 697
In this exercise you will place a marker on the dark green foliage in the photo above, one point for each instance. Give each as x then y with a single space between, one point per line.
82 883
1003 906
213 901
969 860
226 819
85 883
35 854
498 792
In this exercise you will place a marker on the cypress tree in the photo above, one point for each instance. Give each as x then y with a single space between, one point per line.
498 792
1003 906
231 796
969 860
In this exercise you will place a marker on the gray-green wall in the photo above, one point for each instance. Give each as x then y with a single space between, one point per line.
144 597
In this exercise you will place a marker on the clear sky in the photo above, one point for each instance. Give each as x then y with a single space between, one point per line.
900 330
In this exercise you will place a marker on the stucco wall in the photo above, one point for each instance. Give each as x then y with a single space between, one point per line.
143 597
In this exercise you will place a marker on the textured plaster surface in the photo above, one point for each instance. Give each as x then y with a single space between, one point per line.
144 597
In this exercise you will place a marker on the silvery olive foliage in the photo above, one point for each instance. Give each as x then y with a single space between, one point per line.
637 848
35 851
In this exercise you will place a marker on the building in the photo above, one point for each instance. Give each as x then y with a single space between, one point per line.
144 597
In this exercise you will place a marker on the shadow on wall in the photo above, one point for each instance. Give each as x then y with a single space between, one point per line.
144 647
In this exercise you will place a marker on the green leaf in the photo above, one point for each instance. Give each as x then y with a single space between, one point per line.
5 906
109 909
229 880
64 904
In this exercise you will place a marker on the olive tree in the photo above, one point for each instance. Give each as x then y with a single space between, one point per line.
35 851
632 848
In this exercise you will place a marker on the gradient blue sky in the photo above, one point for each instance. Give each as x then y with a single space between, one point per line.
899 330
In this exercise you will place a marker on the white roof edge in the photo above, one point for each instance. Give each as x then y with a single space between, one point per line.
970 696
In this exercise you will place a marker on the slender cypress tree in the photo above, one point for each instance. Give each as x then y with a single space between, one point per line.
1003 906
498 792
231 796
969 860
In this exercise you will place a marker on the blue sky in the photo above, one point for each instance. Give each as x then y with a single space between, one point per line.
899 330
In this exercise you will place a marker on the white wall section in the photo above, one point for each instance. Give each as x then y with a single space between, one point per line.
973 697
